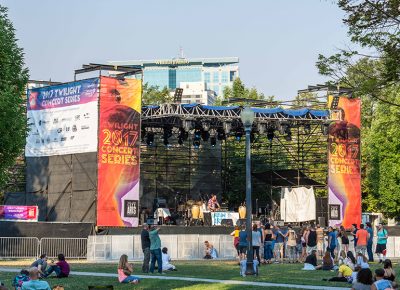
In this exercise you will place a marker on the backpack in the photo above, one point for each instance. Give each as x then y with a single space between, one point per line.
19 280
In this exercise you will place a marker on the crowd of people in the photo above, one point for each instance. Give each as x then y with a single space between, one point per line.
312 243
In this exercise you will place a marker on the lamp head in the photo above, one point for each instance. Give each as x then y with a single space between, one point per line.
247 117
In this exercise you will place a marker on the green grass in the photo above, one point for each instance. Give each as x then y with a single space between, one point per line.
223 270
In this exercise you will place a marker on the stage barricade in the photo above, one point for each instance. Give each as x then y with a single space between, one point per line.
121 245
22 247
73 248
188 246
99 248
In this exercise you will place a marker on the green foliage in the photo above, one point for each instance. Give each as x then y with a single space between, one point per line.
374 25
152 95
13 80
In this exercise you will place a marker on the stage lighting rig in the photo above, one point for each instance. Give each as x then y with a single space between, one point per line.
206 125
196 139
188 124
166 135
238 135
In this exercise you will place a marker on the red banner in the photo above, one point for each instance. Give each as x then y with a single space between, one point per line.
118 152
344 181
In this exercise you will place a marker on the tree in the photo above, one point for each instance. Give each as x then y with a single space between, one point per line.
374 25
13 80
152 95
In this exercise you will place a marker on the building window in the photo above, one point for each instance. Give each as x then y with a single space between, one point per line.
216 89
224 77
216 77
232 75
207 78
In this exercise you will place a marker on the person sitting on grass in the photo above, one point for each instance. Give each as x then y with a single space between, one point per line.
362 261
363 280
311 261
355 273
327 262
125 271
390 274
381 283
344 274
350 260
166 265
41 264
18 280
61 268
34 283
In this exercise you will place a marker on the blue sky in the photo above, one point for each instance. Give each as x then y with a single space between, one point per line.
277 42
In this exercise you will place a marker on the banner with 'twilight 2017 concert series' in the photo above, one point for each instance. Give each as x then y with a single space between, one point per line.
118 152
344 181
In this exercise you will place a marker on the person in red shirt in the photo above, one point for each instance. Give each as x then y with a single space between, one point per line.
61 268
362 237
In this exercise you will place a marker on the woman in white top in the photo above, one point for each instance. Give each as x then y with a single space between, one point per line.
166 265
256 241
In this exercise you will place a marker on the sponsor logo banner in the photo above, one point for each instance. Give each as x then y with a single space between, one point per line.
118 152
344 182
62 119
20 213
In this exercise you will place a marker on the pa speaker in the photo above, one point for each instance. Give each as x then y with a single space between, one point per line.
227 222
207 219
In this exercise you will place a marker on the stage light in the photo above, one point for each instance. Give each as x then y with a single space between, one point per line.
221 134
270 134
196 139
238 135
307 128
205 136
206 125
335 102
150 138
227 127
325 128
261 128
188 125
167 134
288 136
213 141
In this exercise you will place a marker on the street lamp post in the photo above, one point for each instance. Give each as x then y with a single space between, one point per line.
247 116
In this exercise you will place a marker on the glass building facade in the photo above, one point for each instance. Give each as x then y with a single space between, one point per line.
215 73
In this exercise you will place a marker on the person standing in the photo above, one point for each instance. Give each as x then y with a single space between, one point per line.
145 239
344 238
243 242
320 240
291 244
362 240
155 250
381 243
235 235
370 231
256 242
268 244
213 204
331 241
279 243
311 239
354 230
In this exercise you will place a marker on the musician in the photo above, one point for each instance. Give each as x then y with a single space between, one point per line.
213 204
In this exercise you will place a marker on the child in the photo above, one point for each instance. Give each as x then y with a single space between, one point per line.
20 279
243 267
166 261
125 270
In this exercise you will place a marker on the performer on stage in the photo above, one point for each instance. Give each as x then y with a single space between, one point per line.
213 204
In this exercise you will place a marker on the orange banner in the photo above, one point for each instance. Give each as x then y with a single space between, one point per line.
118 152
344 181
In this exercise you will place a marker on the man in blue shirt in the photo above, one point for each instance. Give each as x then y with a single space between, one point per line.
280 239
331 241
35 283
243 242
370 231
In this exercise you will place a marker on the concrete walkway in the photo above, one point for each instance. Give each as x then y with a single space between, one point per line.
166 277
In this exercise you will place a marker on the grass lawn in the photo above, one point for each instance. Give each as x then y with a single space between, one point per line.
224 270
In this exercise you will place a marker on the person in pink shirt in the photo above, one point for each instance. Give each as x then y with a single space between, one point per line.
125 270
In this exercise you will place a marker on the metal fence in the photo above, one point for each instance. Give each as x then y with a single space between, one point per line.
19 247
75 248
29 247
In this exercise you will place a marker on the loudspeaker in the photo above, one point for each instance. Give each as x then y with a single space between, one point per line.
241 222
207 219
227 222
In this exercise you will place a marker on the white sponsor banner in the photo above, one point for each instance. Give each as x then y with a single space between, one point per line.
63 119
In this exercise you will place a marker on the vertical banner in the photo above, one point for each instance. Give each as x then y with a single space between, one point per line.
344 181
118 152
